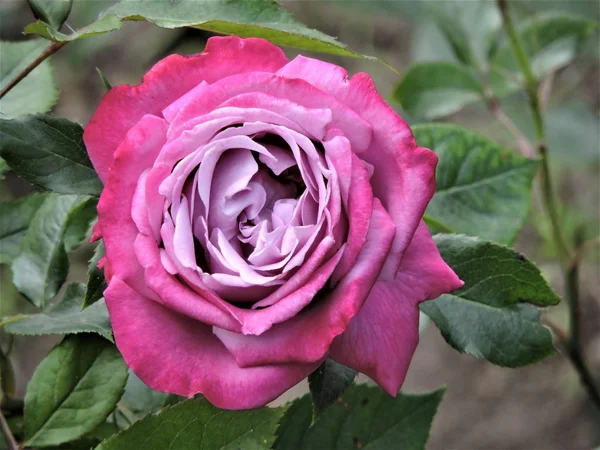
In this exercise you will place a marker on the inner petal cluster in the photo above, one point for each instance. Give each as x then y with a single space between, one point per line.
244 210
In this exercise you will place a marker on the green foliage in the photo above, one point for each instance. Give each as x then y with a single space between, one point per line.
141 399
328 382
66 317
482 189
104 80
366 417
73 390
194 424
551 42
436 89
43 264
14 222
491 317
81 219
53 12
245 18
49 151
96 281
3 168
37 92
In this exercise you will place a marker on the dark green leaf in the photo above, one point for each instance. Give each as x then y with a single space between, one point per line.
196 424
96 281
367 417
73 390
80 223
246 18
53 12
36 92
294 424
551 42
491 317
66 317
328 382
482 189
42 265
49 151
14 222
436 89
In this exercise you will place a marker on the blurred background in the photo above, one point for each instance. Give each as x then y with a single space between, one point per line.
485 407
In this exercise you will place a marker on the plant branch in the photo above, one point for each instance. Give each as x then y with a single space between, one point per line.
8 436
53 48
573 344
523 144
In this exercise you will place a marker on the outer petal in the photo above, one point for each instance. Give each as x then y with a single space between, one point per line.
383 336
176 354
404 173
123 106
307 336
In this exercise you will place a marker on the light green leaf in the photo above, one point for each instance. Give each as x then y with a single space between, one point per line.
49 151
482 189
73 390
3 168
80 224
246 18
37 92
66 317
14 222
491 317
96 280
141 399
328 382
42 265
196 424
53 12
550 41
367 417
436 89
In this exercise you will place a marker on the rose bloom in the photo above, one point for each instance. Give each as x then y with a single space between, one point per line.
259 216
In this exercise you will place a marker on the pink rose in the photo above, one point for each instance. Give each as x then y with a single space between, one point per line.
259 216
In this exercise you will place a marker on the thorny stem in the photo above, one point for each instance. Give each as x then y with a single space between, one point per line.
572 342
53 48
8 436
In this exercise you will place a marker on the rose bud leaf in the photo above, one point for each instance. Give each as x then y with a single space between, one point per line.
73 390
194 424
493 316
49 151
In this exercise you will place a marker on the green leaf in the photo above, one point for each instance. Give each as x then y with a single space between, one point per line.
482 189
367 417
37 92
42 265
66 317
73 390
196 424
328 382
551 42
80 224
49 151
96 280
14 222
491 317
436 89
294 424
53 12
246 18
141 399
105 82
3 168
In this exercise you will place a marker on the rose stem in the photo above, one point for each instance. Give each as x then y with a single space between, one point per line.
572 342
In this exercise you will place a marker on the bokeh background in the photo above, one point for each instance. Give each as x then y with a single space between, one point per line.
485 407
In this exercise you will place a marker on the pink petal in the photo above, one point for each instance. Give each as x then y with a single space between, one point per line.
307 336
173 353
383 336
123 106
